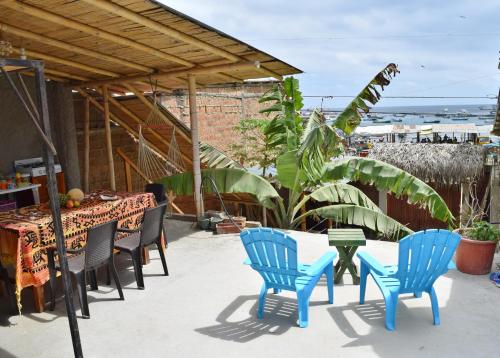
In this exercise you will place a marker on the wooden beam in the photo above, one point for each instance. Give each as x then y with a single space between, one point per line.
127 160
164 29
263 69
109 144
86 145
66 75
150 105
62 61
93 31
169 31
71 48
195 141
138 120
198 70
116 119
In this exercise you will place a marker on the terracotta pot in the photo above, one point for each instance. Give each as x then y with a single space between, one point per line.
474 257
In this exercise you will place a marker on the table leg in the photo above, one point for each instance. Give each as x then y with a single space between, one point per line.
38 298
36 196
145 256
346 254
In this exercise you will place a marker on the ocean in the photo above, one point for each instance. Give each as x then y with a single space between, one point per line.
456 114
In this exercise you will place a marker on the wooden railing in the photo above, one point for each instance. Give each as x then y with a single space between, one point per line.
129 166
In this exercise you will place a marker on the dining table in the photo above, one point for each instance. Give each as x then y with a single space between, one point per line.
26 233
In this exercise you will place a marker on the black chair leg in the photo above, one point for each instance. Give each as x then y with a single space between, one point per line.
162 256
108 275
82 293
53 285
137 261
111 267
93 280
8 289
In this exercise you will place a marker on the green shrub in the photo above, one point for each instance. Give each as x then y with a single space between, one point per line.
484 231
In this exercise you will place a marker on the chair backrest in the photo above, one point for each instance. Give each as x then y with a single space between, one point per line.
158 191
100 242
152 224
273 254
423 257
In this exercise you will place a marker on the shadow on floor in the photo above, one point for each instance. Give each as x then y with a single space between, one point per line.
104 293
5 354
279 316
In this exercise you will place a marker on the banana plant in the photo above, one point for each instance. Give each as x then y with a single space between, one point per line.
310 168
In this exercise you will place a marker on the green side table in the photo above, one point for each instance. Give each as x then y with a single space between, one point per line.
346 242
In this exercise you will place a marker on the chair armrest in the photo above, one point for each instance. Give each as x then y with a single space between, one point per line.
317 267
52 250
75 251
247 261
131 231
372 263
452 265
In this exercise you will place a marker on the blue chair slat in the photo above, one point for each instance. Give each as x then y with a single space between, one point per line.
273 254
423 257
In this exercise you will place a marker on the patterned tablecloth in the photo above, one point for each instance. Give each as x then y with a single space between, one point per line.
26 233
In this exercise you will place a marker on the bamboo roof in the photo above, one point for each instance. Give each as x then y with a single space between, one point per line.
93 42
442 163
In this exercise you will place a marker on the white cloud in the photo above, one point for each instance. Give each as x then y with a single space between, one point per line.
442 47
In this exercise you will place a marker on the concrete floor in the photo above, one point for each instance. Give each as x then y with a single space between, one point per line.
206 308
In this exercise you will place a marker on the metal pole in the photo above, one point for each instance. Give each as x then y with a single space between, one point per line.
193 114
56 211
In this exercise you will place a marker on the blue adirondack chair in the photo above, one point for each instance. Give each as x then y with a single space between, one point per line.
423 257
273 254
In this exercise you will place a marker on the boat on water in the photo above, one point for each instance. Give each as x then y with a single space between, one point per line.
459 119
397 120
378 121
432 121
400 115
486 117
374 116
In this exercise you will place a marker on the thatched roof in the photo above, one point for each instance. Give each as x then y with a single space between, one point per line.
442 163
88 43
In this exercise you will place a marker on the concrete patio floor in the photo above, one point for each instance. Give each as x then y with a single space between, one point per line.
206 308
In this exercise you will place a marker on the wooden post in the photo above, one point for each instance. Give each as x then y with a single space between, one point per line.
128 177
109 145
86 146
193 114
264 216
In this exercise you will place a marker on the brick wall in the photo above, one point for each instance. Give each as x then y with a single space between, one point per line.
220 108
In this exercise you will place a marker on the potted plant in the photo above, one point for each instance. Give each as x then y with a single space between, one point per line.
477 248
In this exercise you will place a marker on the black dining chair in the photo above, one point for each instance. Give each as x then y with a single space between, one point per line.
147 234
4 276
97 252
158 190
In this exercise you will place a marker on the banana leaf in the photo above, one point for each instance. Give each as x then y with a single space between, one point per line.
319 143
214 158
361 216
350 117
388 177
228 180
339 193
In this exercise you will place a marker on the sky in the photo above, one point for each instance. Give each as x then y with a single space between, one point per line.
442 47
